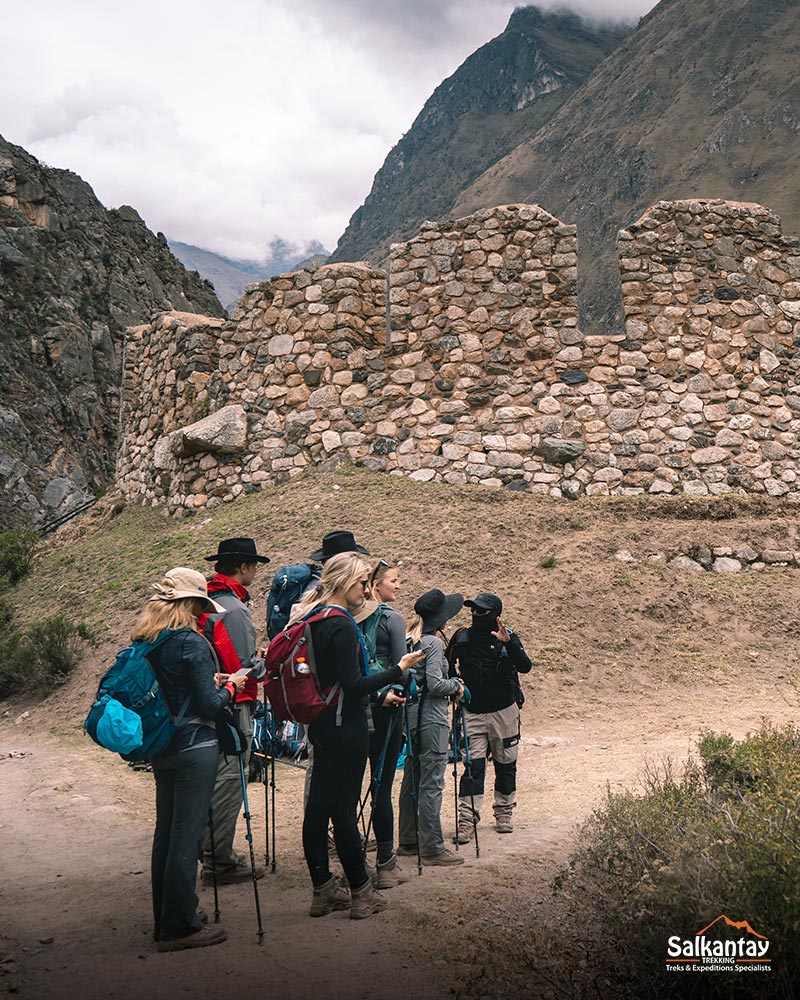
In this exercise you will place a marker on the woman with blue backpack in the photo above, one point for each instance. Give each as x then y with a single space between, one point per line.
185 771
340 736
384 632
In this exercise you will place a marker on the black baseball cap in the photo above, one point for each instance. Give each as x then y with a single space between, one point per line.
486 602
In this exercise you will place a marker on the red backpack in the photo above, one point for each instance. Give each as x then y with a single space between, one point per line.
291 683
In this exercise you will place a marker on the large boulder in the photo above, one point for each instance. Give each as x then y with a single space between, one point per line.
223 431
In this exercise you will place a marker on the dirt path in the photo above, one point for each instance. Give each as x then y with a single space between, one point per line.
76 825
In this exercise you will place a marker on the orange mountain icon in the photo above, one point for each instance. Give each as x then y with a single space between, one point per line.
739 925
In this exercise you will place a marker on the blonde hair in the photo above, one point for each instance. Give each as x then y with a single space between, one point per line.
338 576
382 567
159 615
415 626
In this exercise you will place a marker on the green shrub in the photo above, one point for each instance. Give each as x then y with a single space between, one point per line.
720 837
40 657
16 554
547 562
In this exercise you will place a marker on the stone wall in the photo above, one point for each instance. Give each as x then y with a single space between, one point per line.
479 372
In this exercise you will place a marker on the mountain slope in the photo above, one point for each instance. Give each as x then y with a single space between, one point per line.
73 276
702 98
509 88
230 277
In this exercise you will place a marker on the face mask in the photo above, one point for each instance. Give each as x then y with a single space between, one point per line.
485 624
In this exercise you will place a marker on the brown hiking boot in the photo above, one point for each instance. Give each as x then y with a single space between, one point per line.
445 858
504 824
465 834
333 895
388 875
202 939
367 901
232 876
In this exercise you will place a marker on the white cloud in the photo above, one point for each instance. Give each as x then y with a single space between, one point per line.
228 125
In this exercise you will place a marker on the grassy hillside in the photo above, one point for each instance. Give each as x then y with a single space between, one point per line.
601 632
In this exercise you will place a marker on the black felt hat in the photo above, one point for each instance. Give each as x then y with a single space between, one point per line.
336 542
242 550
434 607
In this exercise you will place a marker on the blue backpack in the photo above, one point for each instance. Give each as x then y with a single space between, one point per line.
129 714
288 586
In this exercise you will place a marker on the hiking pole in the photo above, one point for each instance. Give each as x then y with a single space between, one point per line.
468 770
456 758
266 787
272 787
410 764
375 778
379 776
249 838
213 863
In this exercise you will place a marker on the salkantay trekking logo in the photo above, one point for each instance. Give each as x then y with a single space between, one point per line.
746 953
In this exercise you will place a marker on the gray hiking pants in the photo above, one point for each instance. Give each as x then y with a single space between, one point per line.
498 734
226 803
430 744
183 794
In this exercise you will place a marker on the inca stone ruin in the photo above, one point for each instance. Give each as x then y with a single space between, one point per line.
466 363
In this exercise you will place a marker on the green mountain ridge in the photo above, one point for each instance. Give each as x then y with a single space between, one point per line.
230 277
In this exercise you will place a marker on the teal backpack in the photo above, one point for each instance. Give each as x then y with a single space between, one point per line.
129 715
369 632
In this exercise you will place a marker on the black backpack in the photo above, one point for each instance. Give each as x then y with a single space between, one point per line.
288 586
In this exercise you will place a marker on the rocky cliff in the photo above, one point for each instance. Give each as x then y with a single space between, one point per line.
699 100
505 91
73 277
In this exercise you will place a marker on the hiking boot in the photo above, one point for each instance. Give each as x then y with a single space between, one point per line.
504 824
406 850
202 939
202 916
333 895
233 875
388 875
366 901
447 857
464 834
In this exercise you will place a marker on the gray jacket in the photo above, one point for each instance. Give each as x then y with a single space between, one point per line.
435 687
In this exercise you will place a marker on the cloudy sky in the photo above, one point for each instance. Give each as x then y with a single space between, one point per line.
227 125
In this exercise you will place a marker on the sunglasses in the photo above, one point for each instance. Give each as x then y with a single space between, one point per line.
374 574
480 612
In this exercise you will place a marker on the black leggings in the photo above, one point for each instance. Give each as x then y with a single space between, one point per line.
339 763
382 812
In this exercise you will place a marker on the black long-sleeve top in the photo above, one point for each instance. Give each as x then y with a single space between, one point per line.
338 658
486 664
183 666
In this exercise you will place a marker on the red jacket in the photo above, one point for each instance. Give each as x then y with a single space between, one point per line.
233 634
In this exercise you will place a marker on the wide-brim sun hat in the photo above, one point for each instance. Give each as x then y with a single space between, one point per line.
367 609
182 582
435 607
243 549
336 542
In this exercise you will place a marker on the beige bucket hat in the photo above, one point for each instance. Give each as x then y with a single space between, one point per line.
184 582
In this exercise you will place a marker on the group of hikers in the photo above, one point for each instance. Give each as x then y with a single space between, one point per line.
395 681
